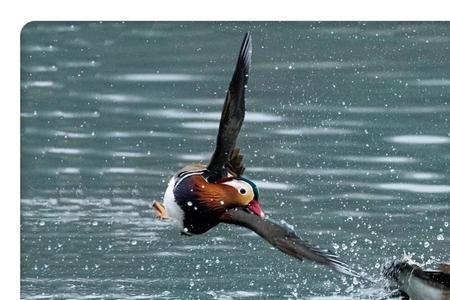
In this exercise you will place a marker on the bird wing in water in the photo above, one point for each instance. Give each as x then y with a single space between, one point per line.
232 114
286 240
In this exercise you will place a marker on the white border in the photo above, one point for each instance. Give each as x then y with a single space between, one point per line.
231 10
16 14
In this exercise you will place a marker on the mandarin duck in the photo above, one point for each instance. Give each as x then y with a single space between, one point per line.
200 196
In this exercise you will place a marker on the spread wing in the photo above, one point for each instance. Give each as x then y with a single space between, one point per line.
286 240
232 114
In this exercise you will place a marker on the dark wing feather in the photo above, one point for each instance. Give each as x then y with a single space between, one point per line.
444 268
235 165
232 114
286 240
434 278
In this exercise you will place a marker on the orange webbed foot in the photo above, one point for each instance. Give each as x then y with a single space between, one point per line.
160 211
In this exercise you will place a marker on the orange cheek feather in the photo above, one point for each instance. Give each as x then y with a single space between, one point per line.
219 197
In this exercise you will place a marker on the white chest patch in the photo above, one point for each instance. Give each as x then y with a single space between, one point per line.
173 210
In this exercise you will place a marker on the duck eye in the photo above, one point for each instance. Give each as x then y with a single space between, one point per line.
242 191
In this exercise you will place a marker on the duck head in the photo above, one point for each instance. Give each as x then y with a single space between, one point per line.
199 205
245 195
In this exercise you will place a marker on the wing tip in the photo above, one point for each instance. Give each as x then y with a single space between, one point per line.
335 263
345 269
245 53
233 112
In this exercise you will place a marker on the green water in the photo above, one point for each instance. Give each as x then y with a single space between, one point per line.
347 135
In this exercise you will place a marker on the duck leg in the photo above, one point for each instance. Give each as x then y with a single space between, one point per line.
159 210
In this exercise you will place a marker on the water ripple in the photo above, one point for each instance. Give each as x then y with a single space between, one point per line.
85 152
377 109
315 131
100 134
378 159
41 84
56 28
60 114
431 82
39 48
314 65
347 196
67 171
79 64
156 77
124 170
201 125
428 207
116 98
270 185
418 139
195 156
255 117
39 69
65 134
320 171
414 187
422 175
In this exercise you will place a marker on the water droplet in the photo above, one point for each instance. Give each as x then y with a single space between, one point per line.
189 203
41 223
133 242
426 244
440 237
94 223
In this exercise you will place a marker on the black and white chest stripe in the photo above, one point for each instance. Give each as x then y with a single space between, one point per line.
173 208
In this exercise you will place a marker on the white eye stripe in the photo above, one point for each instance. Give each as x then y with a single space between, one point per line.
241 186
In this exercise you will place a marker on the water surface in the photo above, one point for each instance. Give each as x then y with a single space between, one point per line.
347 136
